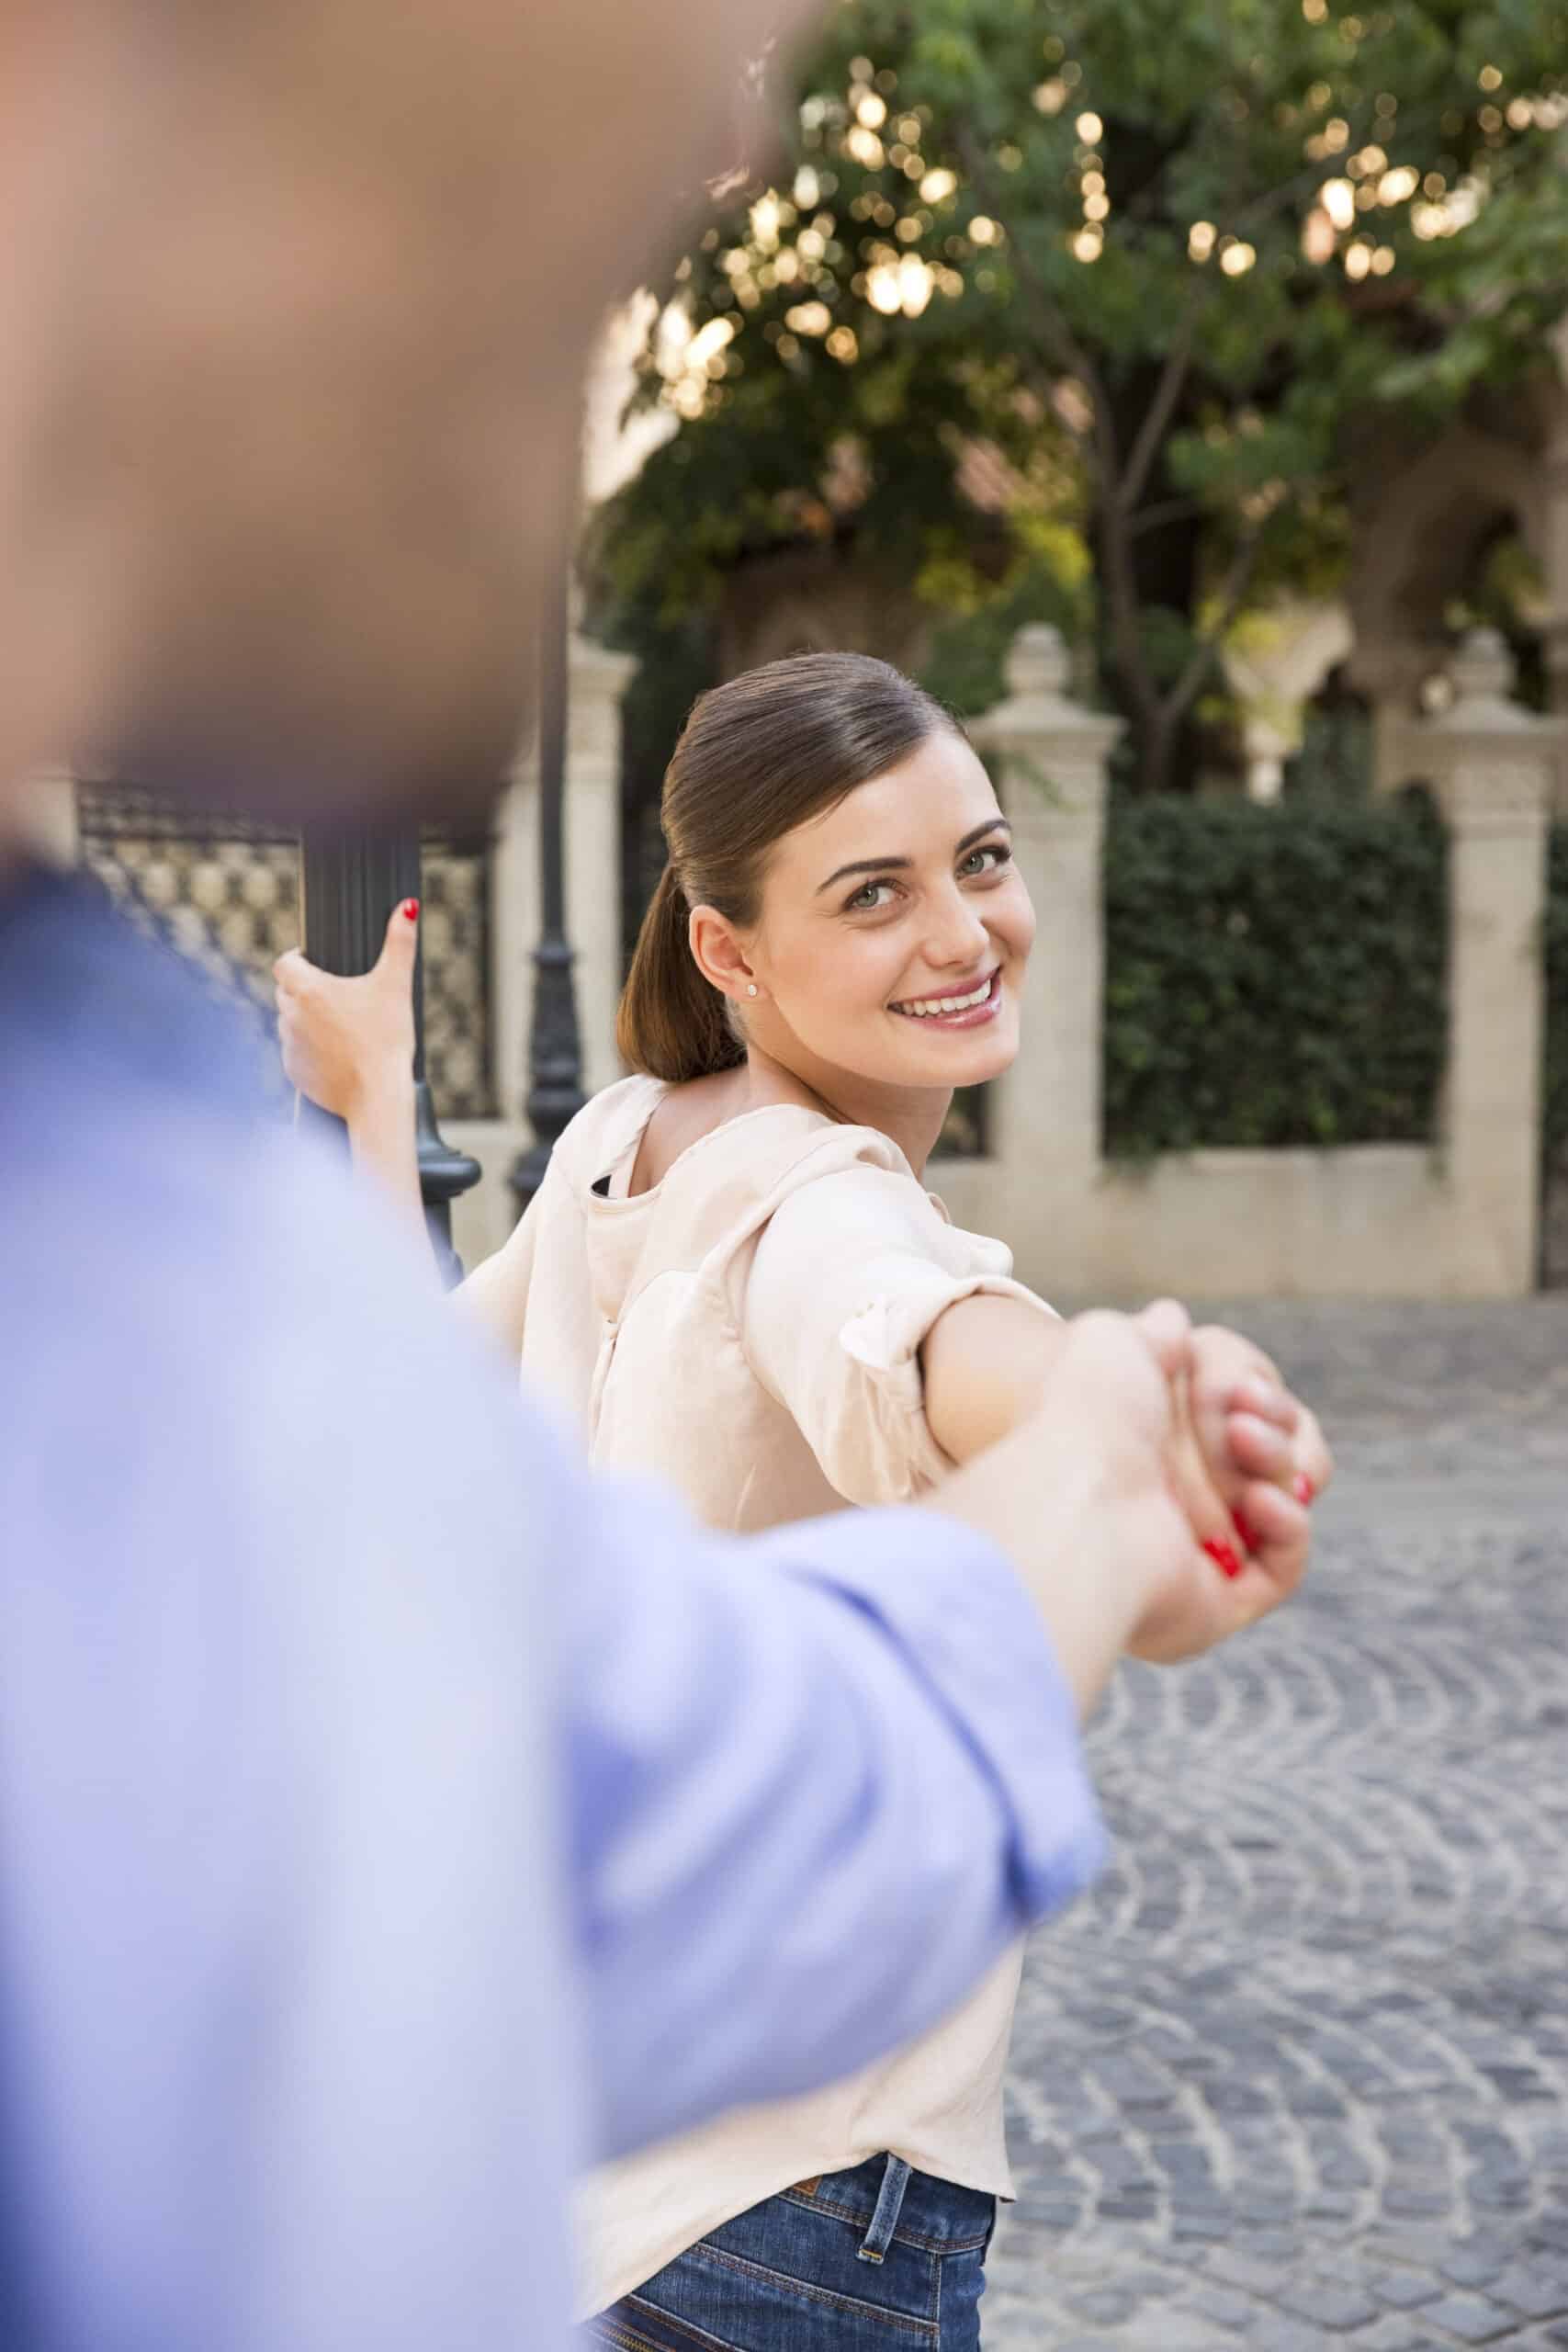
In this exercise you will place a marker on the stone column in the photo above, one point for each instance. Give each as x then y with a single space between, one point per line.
1275 661
1553 528
1554 565
1051 756
1268 748
598 678
1492 765
1390 673
49 817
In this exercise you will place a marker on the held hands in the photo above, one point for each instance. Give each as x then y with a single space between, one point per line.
1229 1391
346 1041
1190 1433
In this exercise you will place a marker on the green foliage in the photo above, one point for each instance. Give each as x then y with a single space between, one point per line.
965 666
1005 225
1274 975
1554 1107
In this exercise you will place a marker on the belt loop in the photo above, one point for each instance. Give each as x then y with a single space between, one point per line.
889 2205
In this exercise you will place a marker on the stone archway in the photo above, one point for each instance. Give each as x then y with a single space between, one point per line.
1275 661
1421 537
1423 523
817 600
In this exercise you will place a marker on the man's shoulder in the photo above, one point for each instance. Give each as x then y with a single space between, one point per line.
173 1250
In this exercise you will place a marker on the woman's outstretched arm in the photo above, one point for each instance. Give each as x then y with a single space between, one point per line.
987 1360
985 1363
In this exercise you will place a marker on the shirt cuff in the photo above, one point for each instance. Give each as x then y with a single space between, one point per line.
885 1338
955 1608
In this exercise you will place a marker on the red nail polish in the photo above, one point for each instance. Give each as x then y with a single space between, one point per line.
1223 1558
1244 1530
1304 1489
411 910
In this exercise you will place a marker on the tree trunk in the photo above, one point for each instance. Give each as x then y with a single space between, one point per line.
1161 564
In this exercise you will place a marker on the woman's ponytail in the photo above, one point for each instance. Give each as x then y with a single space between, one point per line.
673 1023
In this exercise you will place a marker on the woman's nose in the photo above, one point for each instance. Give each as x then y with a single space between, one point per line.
957 934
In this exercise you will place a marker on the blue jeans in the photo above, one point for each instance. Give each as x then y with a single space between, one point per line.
870 2260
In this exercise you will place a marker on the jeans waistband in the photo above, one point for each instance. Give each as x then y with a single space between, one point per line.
887 2198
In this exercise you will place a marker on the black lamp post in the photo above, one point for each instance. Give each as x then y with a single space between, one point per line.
351 883
555 1055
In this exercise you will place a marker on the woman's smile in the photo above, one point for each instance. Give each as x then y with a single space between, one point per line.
967 1009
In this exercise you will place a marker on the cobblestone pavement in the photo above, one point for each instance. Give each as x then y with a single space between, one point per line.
1296 2076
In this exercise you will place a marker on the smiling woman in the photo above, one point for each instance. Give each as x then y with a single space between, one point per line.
734 1275
840 908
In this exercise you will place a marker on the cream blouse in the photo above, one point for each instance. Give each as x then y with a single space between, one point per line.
748 1330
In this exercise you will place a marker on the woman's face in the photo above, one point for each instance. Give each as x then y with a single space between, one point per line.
894 930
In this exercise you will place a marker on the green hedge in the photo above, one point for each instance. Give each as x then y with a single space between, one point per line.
1273 975
1555 1107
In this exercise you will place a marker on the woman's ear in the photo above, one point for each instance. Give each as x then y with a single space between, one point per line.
718 955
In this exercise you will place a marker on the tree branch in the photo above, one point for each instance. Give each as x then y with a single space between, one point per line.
1173 377
1169 510
1056 332
1158 416
1232 594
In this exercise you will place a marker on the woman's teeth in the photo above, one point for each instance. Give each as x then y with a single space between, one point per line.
921 1006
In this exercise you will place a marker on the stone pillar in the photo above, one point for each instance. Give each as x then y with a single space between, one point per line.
1492 765
1051 757
1268 748
1390 673
598 678
48 806
1552 528
1554 566
1275 660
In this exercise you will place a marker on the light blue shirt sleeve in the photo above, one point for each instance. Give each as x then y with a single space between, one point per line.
818 1781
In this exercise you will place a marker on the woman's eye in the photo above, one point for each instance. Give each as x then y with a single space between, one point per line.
989 858
867 898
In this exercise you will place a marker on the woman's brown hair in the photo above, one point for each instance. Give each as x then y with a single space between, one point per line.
757 757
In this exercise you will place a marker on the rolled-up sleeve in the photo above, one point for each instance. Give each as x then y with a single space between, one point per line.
846 1280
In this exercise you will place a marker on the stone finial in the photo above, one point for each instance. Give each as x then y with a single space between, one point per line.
1484 674
1038 662
1038 705
1044 738
1491 762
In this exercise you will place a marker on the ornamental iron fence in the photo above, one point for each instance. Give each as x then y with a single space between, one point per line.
226 893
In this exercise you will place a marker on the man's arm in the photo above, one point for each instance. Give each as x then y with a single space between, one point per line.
860 1735
849 1737
360 1750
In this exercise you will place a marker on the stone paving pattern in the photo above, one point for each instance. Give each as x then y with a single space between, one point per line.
1295 2076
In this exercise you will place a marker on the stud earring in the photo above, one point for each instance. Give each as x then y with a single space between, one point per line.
750 988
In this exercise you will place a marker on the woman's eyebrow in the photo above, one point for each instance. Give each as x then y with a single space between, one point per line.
894 865
990 826
862 865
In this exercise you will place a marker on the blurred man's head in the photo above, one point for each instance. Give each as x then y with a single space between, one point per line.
295 302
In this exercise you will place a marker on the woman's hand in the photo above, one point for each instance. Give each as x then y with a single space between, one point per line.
1229 1376
1224 1408
349 1043
349 1046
